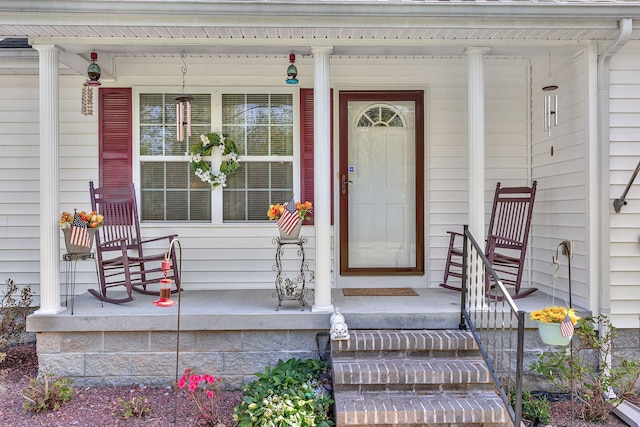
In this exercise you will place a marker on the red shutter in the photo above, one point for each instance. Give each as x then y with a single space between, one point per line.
306 149
115 137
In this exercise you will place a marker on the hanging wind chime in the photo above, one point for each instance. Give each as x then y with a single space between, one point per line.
550 104
93 72
183 107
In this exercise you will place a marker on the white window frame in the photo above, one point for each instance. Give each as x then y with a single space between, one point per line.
216 122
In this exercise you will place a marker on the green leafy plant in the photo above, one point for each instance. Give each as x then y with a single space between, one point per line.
295 392
586 373
535 409
201 390
136 407
46 394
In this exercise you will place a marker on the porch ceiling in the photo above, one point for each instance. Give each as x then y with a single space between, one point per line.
274 28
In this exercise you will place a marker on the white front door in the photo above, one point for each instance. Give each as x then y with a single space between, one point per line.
380 219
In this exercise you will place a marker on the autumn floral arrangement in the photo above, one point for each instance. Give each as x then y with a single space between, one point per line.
304 210
90 220
204 148
554 314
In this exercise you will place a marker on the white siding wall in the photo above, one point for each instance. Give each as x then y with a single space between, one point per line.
19 181
561 201
624 156
239 256
507 157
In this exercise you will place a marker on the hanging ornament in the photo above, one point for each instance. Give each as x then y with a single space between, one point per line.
93 72
550 104
183 107
87 100
292 71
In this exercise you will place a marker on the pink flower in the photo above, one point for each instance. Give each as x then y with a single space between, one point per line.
192 386
182 382
209 394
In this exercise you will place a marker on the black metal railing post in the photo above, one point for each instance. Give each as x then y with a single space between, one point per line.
494 320
463 297
519 368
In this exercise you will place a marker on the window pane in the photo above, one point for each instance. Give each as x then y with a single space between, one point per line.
176 205
151 108
282 140
177 175
282 109
200 205
268 183
237 135
234 205
170 191
152 205
257 109
258 203
258 138
259 125
152 174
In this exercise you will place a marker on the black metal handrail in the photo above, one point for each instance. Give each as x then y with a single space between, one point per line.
496 323
619 203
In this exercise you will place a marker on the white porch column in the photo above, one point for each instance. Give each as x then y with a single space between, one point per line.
475 155
49 191
322 166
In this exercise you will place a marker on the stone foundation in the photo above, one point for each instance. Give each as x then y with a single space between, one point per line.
149 357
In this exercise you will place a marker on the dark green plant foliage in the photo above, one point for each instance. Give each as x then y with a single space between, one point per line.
46 395
292 393
587 371
536 409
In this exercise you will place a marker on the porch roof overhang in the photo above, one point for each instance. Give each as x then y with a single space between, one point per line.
121 28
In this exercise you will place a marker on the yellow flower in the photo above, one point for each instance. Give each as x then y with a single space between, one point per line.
554 314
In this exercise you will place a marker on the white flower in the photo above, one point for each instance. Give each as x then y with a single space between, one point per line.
205 140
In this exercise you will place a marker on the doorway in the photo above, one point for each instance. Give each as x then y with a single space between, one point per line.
381 188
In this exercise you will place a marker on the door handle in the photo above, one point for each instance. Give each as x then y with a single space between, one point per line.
345 181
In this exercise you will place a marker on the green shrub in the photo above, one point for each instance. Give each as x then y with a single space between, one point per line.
536 409
295 393
45 395
587 371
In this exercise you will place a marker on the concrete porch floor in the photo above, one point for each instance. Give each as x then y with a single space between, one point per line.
246 309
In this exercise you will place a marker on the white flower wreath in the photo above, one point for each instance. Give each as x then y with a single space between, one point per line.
202 149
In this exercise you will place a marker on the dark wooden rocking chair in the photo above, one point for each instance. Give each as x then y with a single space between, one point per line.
120 257
507 239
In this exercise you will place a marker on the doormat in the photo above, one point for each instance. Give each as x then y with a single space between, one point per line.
379 292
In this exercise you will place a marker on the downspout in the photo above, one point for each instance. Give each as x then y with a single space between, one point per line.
604 61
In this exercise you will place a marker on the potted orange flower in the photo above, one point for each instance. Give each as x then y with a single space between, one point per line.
79 229
290 223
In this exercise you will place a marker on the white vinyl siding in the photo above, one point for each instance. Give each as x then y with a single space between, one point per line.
624 157
507 156
560 166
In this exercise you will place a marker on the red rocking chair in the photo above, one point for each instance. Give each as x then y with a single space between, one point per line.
507 239
122 256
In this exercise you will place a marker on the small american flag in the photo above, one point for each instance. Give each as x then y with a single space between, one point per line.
566 327
289 218
79 235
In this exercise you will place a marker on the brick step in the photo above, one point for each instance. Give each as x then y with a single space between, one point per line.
415 374
382 343
405 409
